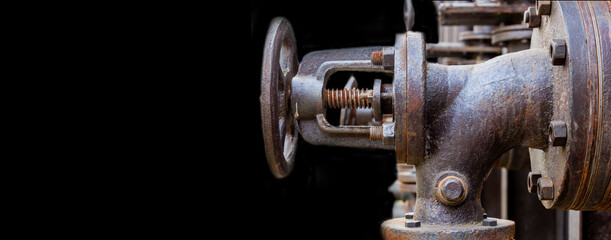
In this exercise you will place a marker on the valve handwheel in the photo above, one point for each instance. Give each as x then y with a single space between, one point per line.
280 64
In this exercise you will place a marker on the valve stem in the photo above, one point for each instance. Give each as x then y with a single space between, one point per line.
349 98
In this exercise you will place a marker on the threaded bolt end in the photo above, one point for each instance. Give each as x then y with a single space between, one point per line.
377 58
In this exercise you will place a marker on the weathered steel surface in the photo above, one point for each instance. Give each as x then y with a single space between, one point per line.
580 170
458 50
472 118
409 90
395 229
280 64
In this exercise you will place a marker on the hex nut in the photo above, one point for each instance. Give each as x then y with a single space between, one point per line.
412 223
558 51
485 215
388 58
531 183
557 133
409 215
388 133
489 222
526 16
531 17
545 188
544 7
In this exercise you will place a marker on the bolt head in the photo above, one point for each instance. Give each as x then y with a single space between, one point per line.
531 183
558 51
531 17
412 223
485 215
489 222
451 190
409 215
545 188
544 7
557 133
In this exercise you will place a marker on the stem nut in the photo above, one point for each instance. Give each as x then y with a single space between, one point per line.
451 190
545 188
531 183
557 133
558 51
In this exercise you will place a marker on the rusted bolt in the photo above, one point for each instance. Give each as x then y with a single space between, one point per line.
530 17
409 215
375 133
558 51
412 223
531 183
545 188
489 222
485 215
451 190
377 58
544 7
557 133
386 58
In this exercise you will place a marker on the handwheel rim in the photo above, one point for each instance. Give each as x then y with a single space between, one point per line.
280 64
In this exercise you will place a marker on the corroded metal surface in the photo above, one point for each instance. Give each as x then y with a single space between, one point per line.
458 50
395 229
409 87
472 118
310 100
280 64
580 170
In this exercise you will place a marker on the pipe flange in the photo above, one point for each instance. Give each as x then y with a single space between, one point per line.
396 229
408 97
